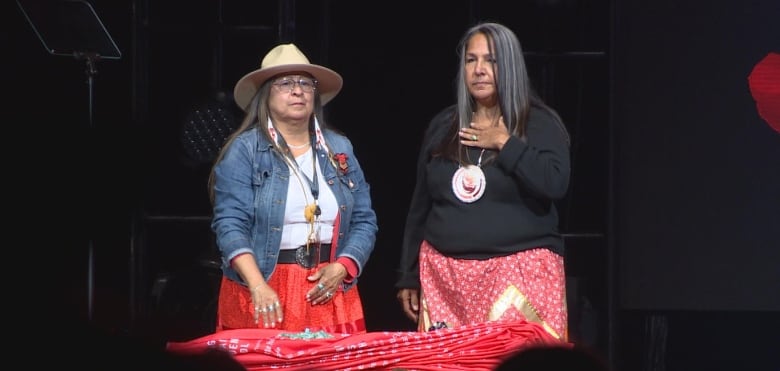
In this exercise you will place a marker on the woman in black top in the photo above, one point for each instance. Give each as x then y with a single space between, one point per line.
481 241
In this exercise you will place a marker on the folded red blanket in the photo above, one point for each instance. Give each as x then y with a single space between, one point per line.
473 347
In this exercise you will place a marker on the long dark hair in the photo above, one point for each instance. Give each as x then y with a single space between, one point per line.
257 115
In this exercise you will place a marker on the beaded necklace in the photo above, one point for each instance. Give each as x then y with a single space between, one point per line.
312 210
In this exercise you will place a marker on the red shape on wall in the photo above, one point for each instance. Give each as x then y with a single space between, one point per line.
764 82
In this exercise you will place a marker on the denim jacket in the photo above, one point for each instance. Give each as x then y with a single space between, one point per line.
249 203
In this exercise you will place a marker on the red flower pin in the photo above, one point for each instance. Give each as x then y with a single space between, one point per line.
341 159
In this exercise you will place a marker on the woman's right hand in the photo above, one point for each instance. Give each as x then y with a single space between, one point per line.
265 301
410 301
266 305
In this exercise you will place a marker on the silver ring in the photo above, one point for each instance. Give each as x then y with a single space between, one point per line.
269 308
328 295
263 310
277 304
474 137
320 286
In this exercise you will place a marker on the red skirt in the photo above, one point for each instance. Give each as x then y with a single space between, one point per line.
526 286
342 314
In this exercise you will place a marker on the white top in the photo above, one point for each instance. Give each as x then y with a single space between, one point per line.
296 228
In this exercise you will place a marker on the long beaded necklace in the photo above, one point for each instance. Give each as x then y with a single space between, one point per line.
312 210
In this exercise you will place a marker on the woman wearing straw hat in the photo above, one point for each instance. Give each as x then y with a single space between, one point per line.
292 208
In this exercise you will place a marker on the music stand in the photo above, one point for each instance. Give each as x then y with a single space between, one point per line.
71 28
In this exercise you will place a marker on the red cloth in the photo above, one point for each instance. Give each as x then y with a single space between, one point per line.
473 347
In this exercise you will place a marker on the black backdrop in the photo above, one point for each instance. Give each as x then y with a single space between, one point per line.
674 72
697 180
695 183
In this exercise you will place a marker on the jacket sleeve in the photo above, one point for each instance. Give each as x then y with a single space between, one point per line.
233 205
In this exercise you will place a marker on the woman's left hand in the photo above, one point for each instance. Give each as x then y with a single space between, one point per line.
327 279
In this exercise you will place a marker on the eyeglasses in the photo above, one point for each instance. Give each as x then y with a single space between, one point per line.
286 84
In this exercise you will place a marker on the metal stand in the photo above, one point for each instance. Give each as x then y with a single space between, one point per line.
71 28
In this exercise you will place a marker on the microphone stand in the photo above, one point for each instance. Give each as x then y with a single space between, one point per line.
67 28
91 60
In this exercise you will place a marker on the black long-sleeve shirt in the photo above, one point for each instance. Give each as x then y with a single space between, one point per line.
516 212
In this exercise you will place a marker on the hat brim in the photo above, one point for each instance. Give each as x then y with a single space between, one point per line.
329 82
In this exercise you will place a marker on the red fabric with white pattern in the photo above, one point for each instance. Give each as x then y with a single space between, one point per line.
476 347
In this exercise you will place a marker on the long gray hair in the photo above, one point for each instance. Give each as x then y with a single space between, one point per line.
513 86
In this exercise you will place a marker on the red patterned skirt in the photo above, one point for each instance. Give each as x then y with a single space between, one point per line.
529 285
342 314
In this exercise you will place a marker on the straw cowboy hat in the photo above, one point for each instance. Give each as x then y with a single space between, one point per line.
282 59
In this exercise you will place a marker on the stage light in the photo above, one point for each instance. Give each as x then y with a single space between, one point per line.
207 127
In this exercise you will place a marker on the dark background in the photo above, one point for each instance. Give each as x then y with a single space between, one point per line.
670 221
695 161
